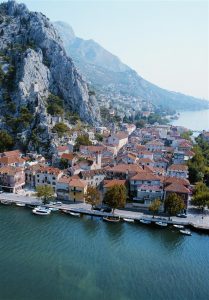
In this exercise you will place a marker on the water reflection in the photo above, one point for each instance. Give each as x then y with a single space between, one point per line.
114 231
91 225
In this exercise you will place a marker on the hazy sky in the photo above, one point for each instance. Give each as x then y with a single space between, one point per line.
166 42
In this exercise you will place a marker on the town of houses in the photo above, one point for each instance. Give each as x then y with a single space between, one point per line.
151 162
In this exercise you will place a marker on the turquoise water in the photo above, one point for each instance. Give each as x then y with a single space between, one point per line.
59 257
194 120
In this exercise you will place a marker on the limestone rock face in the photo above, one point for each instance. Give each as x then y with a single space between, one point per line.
31 45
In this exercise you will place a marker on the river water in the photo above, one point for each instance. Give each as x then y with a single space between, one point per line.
59 257
194 120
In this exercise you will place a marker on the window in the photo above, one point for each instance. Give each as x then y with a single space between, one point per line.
54 183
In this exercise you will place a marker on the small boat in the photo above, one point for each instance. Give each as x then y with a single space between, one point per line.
185 232
41 211
111 219
20 204
145 221
53 208
179 226
74 214
6 202
128 220
161 224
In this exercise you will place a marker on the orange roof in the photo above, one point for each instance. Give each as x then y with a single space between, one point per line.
11 153
10 170
48 170
11 159
145 176
111 183
93 148
182 181
77 183
177 188
68 156
177 167
123 168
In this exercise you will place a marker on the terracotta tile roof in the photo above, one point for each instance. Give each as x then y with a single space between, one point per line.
145 160
182 181
178 167
62 148
123 168
92 173
155 143
93 148
77 183
111 183
10 170
121 135
145 176
177 188
11 160
11 153
48 170
68 156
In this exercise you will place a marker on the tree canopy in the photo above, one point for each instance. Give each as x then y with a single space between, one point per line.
115 197
200 196
173 204
155 206
82 140
45 193
92 196
6 141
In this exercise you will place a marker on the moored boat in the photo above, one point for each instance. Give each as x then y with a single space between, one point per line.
179 226
72 213
185 232
128 220
143 221
161 224
41 211
6 202
53 208
111 219
20 204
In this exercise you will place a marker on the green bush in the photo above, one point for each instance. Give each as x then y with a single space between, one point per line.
61 129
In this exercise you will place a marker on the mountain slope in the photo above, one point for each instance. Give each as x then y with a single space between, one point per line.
33 65
108 74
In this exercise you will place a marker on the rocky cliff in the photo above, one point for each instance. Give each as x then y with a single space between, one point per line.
34 65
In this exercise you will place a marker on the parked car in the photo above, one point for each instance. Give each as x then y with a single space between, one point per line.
181 215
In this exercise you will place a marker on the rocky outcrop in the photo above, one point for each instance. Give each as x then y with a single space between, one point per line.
39 66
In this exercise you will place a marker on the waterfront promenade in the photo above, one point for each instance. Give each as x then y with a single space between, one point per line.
193 219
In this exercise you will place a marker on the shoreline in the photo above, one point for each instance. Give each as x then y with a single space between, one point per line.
197 225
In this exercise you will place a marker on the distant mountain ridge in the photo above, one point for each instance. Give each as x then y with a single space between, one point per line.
105 71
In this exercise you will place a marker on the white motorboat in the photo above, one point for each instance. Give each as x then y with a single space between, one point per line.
179 226
41 211
6 202
111 219
72 213
185 232
20 204
145 221
128 220
161 224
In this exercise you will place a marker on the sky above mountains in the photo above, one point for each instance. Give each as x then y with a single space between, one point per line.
166 42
